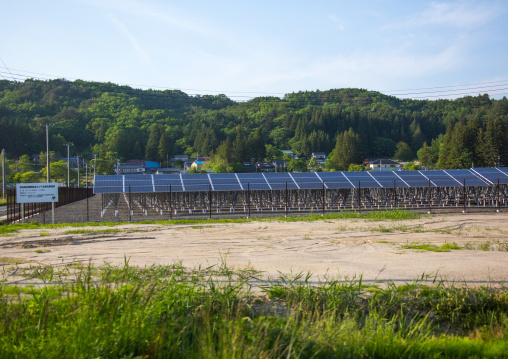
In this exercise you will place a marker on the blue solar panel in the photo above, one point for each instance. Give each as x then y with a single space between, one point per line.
362 179
307 180
138 183
335 180
227 187
167 183
502 169
470 178
108 184
440 179
253 181
387 178
413 178
225 182
492 174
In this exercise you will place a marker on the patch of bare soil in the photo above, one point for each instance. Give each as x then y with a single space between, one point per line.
377 250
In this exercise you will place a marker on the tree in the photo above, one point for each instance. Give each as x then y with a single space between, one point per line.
352 167
152 146
257 145
27 177
383 147
403 152
297 165
273 153
165 148
58 172
425 155
348 149
411 166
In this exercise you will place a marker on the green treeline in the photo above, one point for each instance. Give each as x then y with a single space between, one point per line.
350 125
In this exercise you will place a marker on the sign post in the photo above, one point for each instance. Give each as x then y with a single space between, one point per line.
38 193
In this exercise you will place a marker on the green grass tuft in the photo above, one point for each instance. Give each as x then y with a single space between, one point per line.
173 311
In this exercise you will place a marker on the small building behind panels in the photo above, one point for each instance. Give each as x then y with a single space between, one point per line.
384 165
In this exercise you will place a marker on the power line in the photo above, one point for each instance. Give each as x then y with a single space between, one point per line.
5 66
454 90
440 87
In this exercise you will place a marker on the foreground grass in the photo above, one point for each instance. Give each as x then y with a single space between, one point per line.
3 201
371 216
170 311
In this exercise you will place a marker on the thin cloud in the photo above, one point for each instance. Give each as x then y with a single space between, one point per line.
461 14
369 68
336 22
137 48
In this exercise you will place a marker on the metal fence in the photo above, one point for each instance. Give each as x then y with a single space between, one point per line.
66 195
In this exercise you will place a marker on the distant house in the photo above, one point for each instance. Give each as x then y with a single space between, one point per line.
384 165
280 165
290 153
182 158
248 167
199 162
265 167
131 168
320 157
167 171
151 166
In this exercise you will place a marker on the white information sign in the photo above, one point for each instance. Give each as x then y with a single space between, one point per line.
36 192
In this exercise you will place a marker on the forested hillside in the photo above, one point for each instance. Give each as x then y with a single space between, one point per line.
121 122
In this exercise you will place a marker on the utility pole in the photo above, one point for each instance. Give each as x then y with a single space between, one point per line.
68 164
3 173
47 149
117 166
77 158
86 175
94 160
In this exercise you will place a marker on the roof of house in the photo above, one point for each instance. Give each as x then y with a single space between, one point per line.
152 164
383 162
168 169
137 161
318 154
131 165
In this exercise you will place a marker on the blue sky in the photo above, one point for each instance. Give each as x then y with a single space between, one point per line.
251 48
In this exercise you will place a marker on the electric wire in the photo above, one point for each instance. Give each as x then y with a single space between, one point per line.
452 90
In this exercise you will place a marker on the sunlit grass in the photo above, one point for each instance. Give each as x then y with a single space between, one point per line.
173 311
447 247
371 216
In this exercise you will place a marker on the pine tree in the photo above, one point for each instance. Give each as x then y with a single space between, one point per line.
151 150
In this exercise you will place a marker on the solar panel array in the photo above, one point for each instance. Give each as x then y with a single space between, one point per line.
303 180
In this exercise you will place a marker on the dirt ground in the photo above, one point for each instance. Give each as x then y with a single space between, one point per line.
377 250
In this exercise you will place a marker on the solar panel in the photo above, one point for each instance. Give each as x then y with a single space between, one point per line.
108 184
502 169
138 183
167 183
470 178
492 174
361 179
335 180
280 180
225 182
307 180
253 181
387 179
196 182
440 179
413 178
